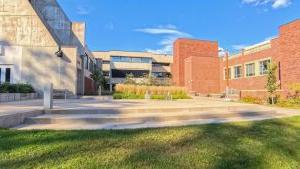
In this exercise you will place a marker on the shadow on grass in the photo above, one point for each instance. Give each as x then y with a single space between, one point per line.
267 144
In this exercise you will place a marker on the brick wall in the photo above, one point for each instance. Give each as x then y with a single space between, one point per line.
185 48
245 83
202 74
198 68
288 53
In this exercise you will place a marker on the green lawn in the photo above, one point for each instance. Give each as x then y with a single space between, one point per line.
257 145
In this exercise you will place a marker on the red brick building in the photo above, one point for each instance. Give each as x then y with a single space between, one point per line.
198 67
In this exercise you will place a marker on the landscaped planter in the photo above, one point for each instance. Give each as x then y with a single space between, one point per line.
11 97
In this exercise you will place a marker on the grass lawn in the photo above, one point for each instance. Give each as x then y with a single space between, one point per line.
269 144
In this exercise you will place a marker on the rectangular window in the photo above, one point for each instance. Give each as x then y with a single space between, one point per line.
227 75
250 69
7 75
86 62
237 72
130 59
137 60
263 66
2 50
146 60
125 59
0 75
106 62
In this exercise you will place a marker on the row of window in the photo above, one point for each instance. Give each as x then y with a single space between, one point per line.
89 64
131 59
250 70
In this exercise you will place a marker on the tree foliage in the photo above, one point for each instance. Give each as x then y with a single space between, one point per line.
99 78
272 85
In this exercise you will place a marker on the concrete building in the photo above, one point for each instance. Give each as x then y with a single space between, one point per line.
40 45
117 64
198 67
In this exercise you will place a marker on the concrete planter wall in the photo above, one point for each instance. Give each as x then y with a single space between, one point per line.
11 97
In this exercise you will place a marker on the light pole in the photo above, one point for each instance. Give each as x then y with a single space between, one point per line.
227 76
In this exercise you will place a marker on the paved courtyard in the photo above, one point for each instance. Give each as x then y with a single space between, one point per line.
105 113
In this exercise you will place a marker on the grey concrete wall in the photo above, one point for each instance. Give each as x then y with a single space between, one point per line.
19 25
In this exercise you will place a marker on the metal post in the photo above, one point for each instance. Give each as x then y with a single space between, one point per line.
227 76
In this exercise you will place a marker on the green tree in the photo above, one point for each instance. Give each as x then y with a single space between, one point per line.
272 85
130 79
99 78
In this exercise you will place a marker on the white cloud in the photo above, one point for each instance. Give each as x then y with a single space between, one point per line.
169 34
83 10
222 52
274 3
239 47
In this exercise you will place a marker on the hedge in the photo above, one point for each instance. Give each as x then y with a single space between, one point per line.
16 88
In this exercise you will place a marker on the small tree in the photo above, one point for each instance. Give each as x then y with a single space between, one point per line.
99 78
129 79
272 85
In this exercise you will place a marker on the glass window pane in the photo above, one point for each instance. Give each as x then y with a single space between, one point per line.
136 60
125 59
7 75
250 69
264 67
238 72
115 59
146 60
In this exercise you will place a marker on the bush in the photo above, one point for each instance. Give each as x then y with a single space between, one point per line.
289 103
253 100
125 91
16 88
295 90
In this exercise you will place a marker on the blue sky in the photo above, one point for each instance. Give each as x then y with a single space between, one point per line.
153 25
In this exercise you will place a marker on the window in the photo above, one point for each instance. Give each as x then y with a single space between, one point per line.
126 59
237 72
86 62
250 69
226 74
160 64
122 73
116 59
0 75
2 50
263 66
136 60
105 62
161 74
130 59
146 60
7 75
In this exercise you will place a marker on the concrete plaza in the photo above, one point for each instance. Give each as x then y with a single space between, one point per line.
105 113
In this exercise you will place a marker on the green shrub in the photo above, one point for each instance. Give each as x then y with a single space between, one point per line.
119 96
16 88
158 97
289 103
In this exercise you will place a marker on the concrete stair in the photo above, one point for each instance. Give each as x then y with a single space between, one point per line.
143 118
63 94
